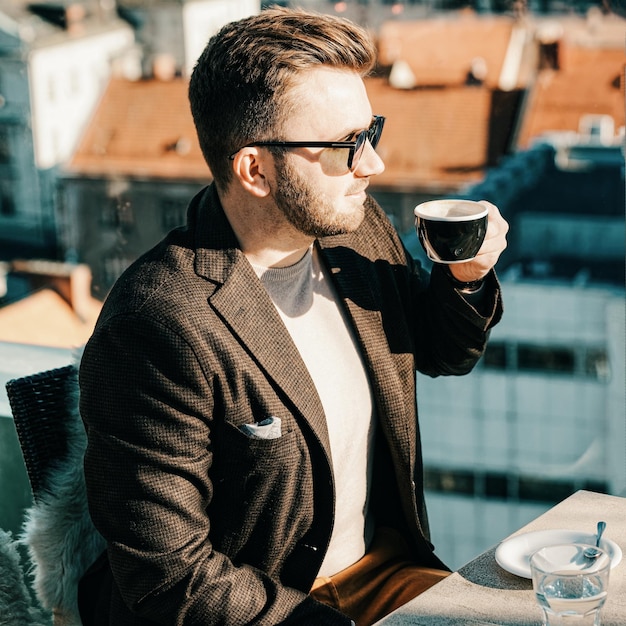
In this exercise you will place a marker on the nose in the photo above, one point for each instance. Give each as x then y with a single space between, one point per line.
370 164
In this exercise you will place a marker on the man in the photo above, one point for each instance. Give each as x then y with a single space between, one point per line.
249 390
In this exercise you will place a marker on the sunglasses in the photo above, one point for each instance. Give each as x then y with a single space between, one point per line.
355 148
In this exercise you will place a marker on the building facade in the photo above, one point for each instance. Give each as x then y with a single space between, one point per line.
53 69
543 414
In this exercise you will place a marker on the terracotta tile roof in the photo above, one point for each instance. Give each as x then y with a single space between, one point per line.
142 129
436 137
433 138
440 50
590 81
46 319
59 310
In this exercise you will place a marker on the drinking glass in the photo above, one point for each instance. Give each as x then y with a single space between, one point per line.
570 587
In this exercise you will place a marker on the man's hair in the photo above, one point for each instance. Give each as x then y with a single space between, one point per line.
239 87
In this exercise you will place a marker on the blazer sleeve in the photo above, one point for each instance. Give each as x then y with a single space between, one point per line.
147 404
456 331
447 334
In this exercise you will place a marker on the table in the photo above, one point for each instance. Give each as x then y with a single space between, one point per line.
481 593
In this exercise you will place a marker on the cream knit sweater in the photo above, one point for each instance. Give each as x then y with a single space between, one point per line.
309 307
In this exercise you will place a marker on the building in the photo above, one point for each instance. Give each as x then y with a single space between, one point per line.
136 167
544 412
55 61
452 112
131 178
46 303
176 31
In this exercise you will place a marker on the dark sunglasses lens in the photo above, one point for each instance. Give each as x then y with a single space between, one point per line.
355 153
372 134
375 131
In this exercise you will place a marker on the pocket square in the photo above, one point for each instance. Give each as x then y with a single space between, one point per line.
269 428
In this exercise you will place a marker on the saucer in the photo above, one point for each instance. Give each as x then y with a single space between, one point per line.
514 554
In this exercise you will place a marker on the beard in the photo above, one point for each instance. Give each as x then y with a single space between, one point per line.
310 210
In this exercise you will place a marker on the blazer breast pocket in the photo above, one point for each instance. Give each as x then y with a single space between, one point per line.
269 428
240 451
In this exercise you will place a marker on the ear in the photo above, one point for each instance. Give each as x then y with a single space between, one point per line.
250 166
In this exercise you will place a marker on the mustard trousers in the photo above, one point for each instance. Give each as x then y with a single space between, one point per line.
384 579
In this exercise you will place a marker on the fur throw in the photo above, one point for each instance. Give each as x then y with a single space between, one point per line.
58 532
17 606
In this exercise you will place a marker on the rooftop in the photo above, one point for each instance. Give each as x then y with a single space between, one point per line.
442 130
141 129
433 138
589 80
419 44
58 311
38 24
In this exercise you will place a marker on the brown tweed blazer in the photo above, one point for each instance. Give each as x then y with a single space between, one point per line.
208 526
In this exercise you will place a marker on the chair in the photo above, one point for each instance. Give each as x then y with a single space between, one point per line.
58 533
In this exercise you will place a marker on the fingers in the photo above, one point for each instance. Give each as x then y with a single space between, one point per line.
494 244
497 229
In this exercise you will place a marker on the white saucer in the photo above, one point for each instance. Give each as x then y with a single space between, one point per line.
514 554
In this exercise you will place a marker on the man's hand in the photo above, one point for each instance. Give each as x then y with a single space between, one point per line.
490 251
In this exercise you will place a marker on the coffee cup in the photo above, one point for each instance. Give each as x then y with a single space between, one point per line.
451 230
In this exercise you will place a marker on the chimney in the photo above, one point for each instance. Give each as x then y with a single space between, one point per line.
549 38
164 67
401 75
74 17
71 281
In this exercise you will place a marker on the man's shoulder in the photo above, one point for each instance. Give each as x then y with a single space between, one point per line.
150 279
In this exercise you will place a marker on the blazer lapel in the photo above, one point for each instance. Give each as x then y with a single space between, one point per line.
243 303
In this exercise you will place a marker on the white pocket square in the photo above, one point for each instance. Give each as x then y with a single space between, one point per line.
269 428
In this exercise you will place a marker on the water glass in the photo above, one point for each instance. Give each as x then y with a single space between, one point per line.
570 587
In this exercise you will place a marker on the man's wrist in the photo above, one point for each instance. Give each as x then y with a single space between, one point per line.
472 286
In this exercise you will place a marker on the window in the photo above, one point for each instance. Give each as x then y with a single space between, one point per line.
7 206
597 364
505 486
584 361
5 147
545 359
112 266
495 356
52 90
74 80
449 481
117 213
7 202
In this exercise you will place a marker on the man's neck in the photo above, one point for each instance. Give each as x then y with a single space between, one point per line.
265 236
275 258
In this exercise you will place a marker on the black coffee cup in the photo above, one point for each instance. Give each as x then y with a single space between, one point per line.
451 231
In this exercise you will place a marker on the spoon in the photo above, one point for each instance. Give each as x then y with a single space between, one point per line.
592 553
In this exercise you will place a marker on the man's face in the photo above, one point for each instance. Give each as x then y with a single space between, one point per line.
313 187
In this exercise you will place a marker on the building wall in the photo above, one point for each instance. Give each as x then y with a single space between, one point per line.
531 425
462 527
66 81
18 200
202 20
107 224
47 95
